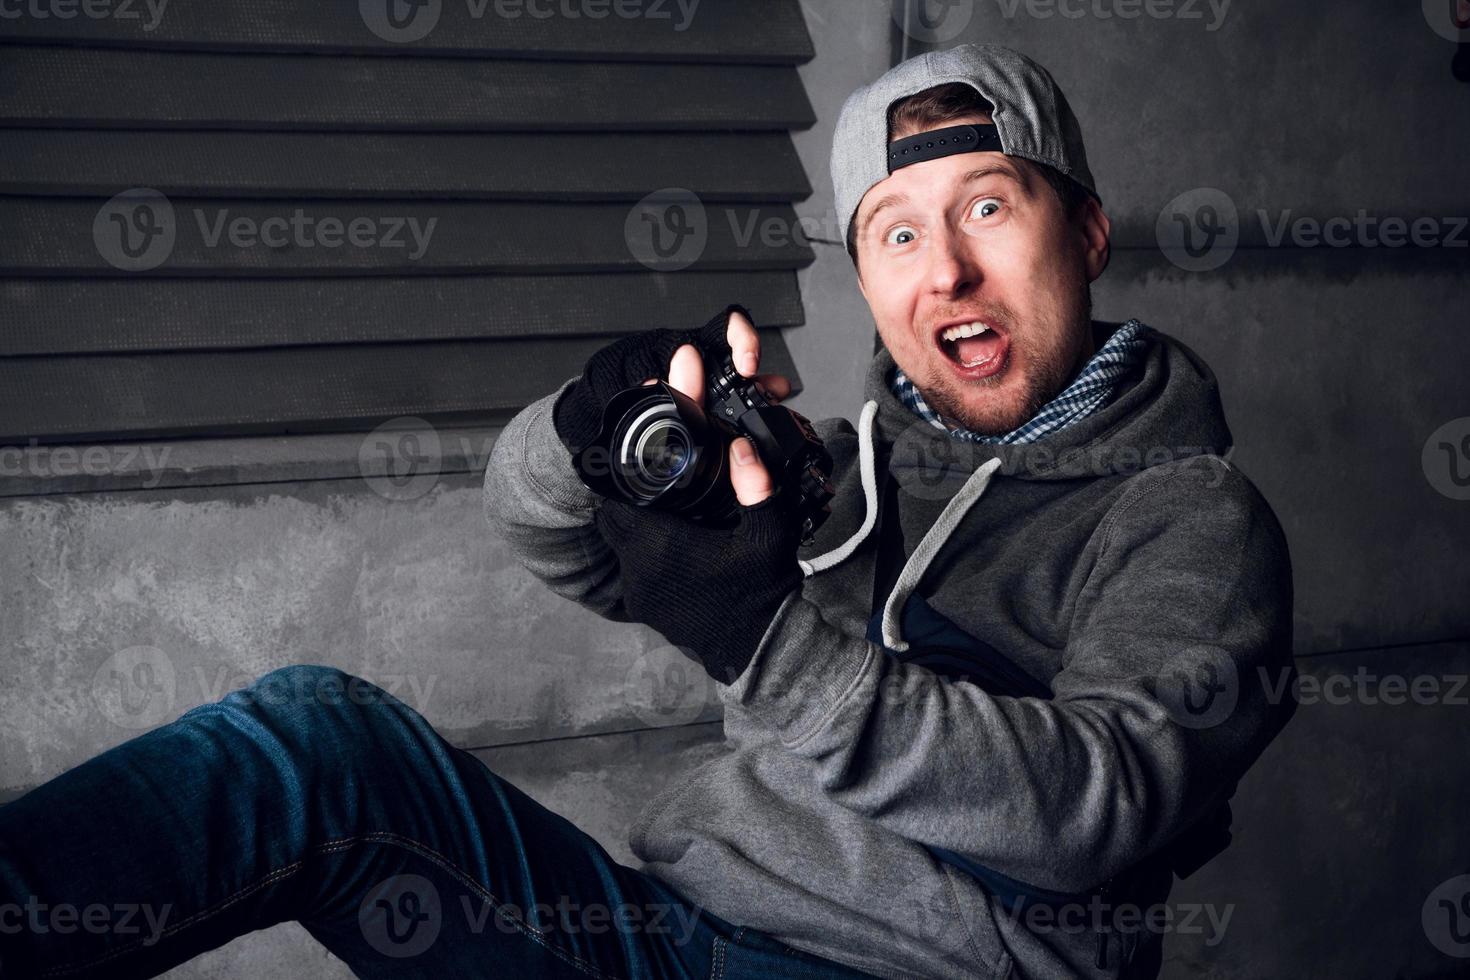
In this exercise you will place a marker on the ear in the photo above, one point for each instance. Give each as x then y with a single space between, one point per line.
1096 231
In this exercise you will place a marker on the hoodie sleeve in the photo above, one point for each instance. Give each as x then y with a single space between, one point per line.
534 499
1157 710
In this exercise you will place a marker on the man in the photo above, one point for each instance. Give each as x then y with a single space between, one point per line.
998 700
978 700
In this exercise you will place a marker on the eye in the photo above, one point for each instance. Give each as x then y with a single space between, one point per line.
985 207
902 235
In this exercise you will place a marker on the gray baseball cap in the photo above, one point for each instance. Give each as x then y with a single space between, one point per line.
1031 118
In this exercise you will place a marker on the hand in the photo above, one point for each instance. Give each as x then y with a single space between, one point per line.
751 479
673 356
713 592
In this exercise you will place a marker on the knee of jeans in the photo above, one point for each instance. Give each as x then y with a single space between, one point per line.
320 705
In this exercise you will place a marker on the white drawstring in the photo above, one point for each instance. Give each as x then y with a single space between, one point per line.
918 563
870 495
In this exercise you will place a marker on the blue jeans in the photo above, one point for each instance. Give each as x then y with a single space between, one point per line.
314 796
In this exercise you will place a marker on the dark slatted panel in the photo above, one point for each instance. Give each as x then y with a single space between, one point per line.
140 89
542 166
57 236
87 316
289 389
714 31
346 224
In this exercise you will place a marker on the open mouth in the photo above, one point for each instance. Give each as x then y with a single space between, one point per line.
976 349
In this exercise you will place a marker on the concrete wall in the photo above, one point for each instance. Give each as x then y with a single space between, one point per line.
1341 368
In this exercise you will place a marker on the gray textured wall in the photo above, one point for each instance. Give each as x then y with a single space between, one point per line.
1341 369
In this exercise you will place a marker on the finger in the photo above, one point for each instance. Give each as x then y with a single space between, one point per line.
748 474
686 372
745 344
777 386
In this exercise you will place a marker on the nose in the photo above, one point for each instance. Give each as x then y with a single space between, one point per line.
953 268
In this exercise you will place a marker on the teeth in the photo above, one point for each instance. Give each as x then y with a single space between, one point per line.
965 330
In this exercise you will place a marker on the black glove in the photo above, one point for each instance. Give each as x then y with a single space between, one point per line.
708 590
627 363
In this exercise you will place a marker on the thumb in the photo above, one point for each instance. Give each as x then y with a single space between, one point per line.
748 474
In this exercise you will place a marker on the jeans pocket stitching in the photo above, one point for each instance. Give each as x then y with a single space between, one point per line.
717 965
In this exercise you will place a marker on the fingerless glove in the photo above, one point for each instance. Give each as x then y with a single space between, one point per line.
711 591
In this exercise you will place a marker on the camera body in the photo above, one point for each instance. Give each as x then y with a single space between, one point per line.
659 448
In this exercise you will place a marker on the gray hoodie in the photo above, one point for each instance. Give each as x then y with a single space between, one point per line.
982 778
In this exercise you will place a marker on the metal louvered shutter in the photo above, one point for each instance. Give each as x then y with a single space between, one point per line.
268 216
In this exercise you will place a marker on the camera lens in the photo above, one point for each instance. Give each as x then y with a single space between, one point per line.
663 451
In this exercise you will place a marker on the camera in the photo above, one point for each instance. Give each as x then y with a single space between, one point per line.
659 448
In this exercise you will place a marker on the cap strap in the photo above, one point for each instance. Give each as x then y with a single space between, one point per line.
942 143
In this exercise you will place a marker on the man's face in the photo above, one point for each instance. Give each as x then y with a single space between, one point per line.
980 239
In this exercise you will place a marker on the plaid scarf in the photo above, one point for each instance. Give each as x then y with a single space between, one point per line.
1094 388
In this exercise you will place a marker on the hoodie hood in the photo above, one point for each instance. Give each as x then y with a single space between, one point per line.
1166 409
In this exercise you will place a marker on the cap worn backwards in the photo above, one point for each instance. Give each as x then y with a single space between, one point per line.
1031 119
